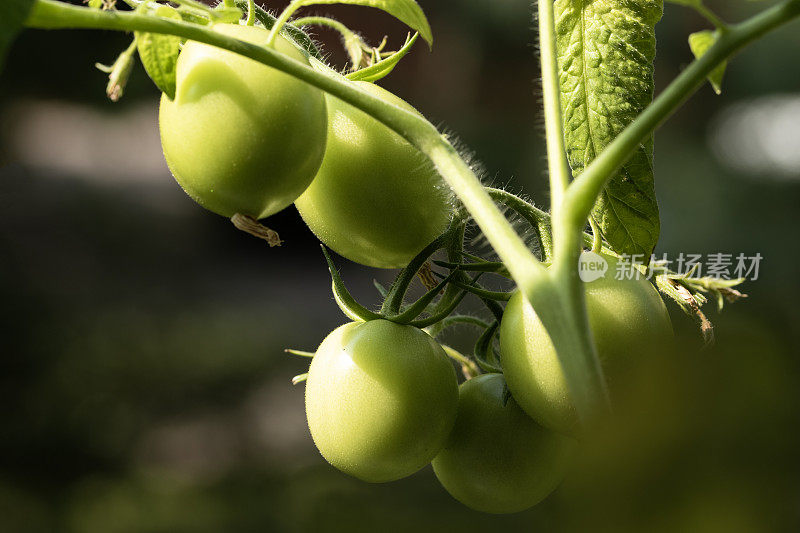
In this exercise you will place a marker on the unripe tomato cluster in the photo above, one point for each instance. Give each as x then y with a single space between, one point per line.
382 398
243 138
382 402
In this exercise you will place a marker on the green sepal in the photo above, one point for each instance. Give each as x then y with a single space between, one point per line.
489 266
394 298
383 291
499 296
415 309
441 315
349 306
384 67
483 347
700 42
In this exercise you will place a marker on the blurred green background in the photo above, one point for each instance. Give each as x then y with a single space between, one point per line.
143 384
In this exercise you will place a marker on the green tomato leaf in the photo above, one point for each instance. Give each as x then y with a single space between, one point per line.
690 3
382 68
605 56
700 42
407 11
12 15
159 54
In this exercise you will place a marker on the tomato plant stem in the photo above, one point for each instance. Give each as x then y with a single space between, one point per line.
554 129
283 18
539 220
560 303
251 12
199 7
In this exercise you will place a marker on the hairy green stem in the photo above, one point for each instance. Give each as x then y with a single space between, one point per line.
323 21
538 219
542 219
251 13
560 303
554 128
597 237
268 21
283 18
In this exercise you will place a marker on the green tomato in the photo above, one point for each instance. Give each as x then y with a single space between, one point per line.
628 320
381 399
375 200
241 137
497 459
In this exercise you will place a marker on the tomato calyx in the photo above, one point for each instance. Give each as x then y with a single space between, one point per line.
252 226
434 309
435 305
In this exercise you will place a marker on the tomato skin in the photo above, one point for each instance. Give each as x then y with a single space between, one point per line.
375 200
497 459
381 399
241 137
628 320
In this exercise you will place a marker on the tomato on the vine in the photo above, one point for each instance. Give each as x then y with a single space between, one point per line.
497 459
628 320
375 200
242 137
381 399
